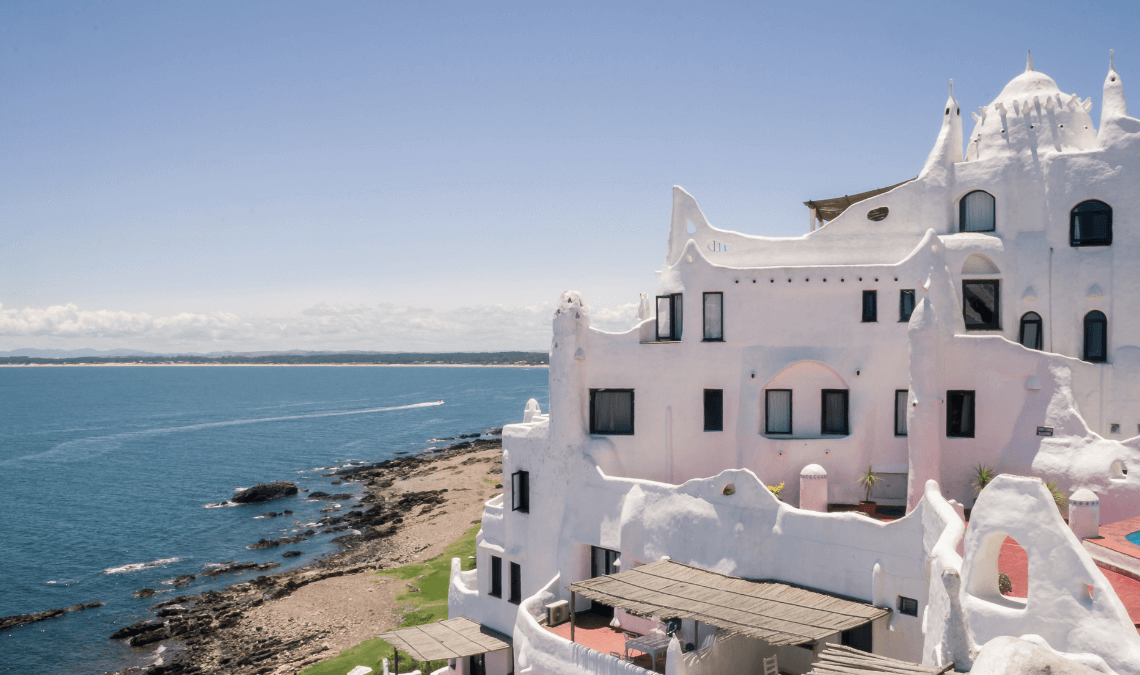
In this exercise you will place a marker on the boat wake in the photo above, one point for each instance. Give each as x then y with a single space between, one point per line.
135 567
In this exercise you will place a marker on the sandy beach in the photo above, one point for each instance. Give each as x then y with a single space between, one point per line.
284 623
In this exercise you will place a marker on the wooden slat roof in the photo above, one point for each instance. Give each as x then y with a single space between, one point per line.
839 660
449 639
829 209
778 613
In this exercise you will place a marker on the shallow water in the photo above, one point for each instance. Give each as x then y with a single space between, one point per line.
106 474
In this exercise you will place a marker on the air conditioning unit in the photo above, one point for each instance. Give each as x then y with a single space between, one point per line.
557 613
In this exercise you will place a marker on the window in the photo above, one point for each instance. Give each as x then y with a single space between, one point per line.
908 606
834 412
857 638
496 576
477 664
611 411
714 410
669 317
906 304
1030 333
981 304
976 212
900 412
777 411
516 584
1090 224
1096 337
714 317
603 561
960 414
870 306
520 491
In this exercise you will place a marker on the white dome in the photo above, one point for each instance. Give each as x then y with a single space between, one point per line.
1084 495
813 470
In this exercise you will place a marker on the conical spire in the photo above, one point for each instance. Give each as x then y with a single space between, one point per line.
948 147
1113 105
1029 62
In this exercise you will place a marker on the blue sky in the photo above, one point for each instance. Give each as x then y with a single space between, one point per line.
228 176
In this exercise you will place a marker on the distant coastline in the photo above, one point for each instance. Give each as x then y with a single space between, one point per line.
465 359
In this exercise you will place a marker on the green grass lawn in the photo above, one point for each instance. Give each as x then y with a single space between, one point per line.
432 577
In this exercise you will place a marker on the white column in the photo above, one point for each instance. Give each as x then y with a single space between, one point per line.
1084 514
813 488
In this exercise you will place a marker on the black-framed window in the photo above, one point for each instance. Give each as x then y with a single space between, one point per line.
516 584
603 561
714 410
778 411
520 491
833 412
611 412
870 306
477 664
669 319
1090 224
714 317
906 304
976 212
1096 337
496 576
960 414
981 304
900 411
1029 334
908 606
860 638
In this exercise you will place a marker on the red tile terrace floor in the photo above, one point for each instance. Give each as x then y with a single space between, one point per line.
593 631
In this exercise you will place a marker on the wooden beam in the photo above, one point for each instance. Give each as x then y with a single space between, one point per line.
573 614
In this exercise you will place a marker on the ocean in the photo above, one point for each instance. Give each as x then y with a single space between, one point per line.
106 474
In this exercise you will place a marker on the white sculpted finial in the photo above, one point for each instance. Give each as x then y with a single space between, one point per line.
1111 60
951 87
1029 62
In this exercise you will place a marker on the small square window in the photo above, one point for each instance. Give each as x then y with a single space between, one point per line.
611 412
520 491
908 606
960 414
714 410
981 304
870 306
714 317
906 304
516 584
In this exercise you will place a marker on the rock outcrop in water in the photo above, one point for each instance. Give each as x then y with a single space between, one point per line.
21 619
263 492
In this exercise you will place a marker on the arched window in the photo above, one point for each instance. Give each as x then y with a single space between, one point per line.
1090 224
1030 334
976 212
1096 337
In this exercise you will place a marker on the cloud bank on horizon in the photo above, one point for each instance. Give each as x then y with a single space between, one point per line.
381 327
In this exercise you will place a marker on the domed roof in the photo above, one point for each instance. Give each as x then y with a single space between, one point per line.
1084 495
813 470
1028 84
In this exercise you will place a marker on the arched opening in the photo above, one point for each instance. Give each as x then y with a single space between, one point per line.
1119 470
1090 224
1096 337
805 400
1030 333
976 212
1013 562
979 264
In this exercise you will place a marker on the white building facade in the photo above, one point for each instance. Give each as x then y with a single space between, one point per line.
981 313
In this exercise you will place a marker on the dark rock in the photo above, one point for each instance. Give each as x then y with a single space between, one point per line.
469 435
337 482
183 580
267 514
21 619
291 554
236 567
144 593
497 431
263 492
326 496
286 512
137 628
273 543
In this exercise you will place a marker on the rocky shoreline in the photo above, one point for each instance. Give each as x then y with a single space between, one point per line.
213 632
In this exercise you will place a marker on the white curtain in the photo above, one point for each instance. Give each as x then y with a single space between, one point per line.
779 411
900 413
834 412
713 322
613 412
979 212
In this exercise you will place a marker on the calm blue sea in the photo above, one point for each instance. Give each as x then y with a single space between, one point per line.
105 473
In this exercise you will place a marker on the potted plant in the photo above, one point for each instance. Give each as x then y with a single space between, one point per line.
983 476
868 479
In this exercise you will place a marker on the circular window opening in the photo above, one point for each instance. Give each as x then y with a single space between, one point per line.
878 214
1119 470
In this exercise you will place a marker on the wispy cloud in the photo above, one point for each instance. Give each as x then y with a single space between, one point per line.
322 326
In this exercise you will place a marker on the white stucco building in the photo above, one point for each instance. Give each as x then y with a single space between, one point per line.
982 313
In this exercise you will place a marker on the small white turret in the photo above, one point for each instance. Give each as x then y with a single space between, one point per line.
813 488
1084 514
948 148
1114 107
569 414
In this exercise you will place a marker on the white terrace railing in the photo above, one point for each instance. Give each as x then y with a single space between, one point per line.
494 528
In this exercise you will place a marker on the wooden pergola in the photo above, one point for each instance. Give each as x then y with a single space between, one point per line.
443 640
840 660
773 611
